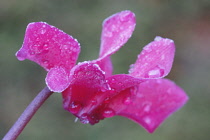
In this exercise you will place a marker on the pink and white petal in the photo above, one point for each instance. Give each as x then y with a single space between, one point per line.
57 79
155 60
150 103
87 81
117 29
49 47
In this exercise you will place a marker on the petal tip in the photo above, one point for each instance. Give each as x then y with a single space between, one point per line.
20 55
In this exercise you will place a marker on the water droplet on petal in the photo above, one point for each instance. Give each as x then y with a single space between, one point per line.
84 118
113 79
127 100
42 31
147 108
93 102
107 113
74 108
45 61
156 72
66 47
103 89
46 47
32 53
147 120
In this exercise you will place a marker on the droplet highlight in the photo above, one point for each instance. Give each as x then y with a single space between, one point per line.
107 113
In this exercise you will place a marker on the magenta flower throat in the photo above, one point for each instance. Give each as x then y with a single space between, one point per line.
90 91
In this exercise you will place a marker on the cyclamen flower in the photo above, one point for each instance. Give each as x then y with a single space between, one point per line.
89 89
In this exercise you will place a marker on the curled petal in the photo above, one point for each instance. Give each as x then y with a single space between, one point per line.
106 65
52 49
117 29
87 85
149 103
155 60
57 79
49 47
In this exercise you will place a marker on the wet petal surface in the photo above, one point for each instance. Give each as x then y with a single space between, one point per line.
117 29
49 47
155 60
150 103
86 90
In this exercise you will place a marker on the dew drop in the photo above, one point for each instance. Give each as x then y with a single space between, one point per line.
107 113
32 53
74 107
127 101
147 108
44 26
93 102
46 47
45 61
156 72
84 118
43 31
103 89
147 120
113 79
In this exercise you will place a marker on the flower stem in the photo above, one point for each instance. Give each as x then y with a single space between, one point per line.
26 116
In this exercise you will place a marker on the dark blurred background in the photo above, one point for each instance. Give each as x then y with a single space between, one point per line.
187 22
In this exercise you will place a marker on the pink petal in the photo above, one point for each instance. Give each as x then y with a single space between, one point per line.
156 59
121 82
150 103
106 65
117 29
49 47
87 86
57 79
